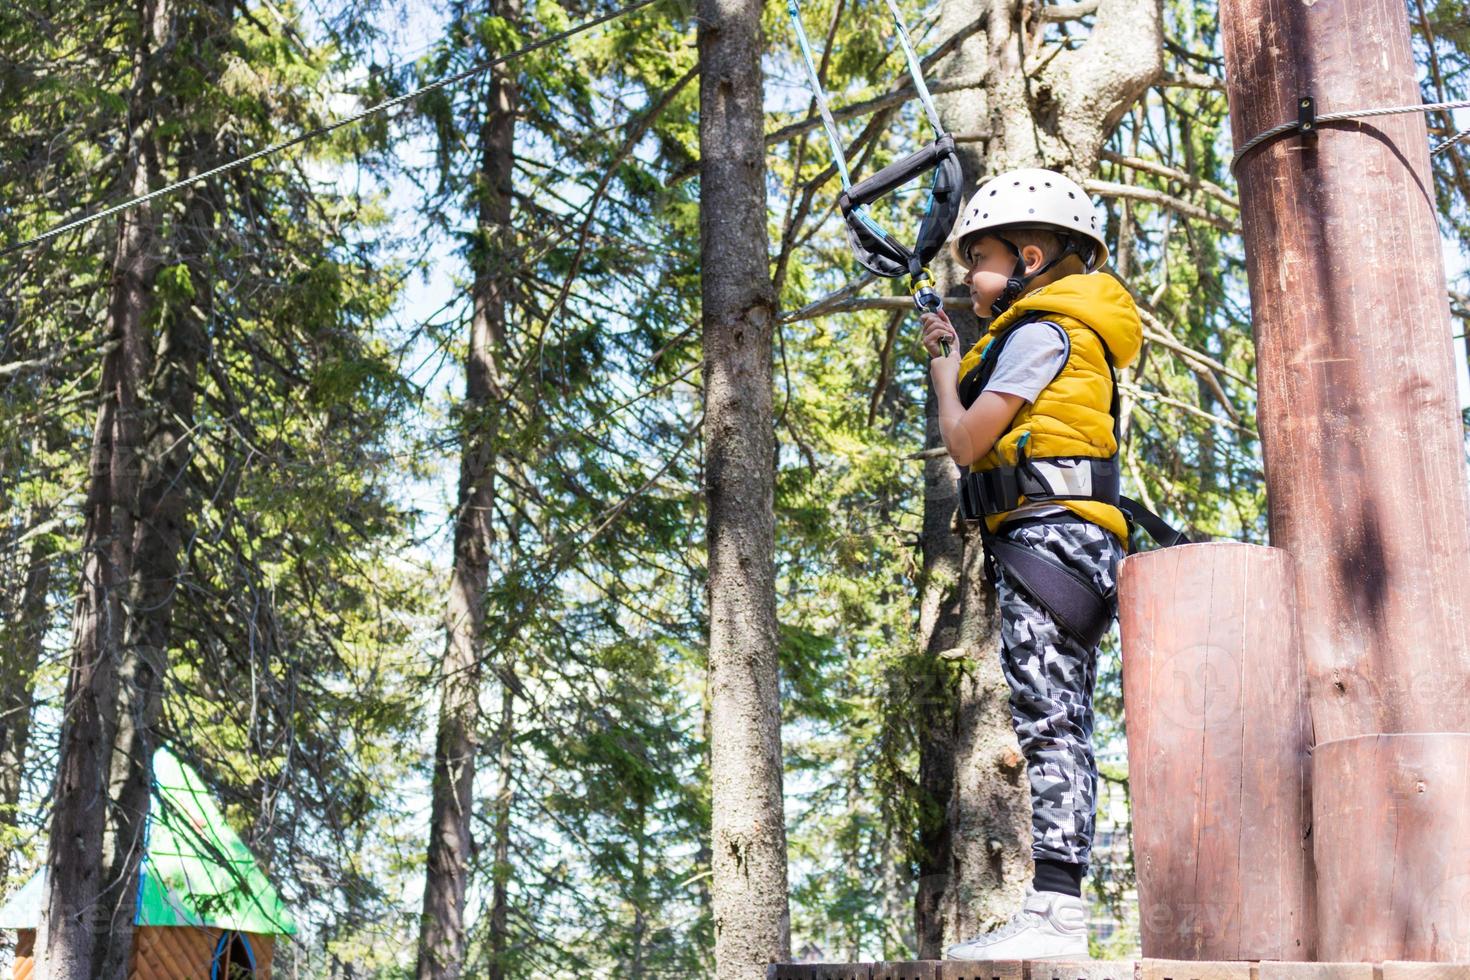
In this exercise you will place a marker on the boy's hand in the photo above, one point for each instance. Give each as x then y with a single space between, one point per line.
937 328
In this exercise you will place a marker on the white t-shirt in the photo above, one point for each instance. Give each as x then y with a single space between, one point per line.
1031 358
1029 361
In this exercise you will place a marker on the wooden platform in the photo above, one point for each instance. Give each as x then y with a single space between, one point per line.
1143 969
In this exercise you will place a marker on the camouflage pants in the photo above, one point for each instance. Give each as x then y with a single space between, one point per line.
1051 676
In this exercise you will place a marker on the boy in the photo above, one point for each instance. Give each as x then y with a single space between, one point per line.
1030 414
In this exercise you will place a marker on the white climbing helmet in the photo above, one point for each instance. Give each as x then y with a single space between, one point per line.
1031 197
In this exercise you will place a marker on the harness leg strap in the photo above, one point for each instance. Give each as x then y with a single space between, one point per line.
1074 602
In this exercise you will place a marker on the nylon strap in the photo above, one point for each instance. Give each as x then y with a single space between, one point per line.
916 69
1161 531
819 96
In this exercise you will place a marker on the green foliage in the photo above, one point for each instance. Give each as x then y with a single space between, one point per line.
306 627
288 640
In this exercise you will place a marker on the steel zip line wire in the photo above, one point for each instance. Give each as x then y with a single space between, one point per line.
330 127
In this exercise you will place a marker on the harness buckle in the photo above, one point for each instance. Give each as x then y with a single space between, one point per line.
989 492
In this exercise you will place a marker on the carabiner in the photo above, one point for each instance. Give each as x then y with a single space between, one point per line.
927 298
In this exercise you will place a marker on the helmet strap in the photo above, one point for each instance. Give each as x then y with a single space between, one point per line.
1019 280
1014 284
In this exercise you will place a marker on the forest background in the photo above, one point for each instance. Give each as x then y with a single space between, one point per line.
309 432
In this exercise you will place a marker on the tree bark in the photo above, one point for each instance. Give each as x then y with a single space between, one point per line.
166 448
25 585
500 899
943 544
752 920
640 894
22 628
1052 108
942 551
77 928
136 522
441 950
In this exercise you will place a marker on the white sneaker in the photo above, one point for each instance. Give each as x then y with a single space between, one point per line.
1049 926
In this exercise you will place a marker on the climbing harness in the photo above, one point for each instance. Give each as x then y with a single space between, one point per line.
876 249
1308 121
1074 602
985 493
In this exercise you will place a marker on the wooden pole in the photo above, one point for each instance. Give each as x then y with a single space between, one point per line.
1358 414
1361 435
1218 753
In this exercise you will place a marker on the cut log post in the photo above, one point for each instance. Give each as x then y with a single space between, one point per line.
1392 849
1417 970
983 970
906 970
1315 971
1359 418
1218 751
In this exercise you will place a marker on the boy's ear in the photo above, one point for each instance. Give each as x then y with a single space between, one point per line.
1033 256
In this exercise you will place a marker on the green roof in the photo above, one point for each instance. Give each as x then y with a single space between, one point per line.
196 870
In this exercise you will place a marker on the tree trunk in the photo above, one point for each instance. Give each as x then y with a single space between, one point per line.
1057 116
640 889
943 543
500 900
26 582
441 949
166 448
22 628
77 929
752 921
942 551
25 586
135 526
850 846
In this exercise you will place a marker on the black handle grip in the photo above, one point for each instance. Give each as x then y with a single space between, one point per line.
897 174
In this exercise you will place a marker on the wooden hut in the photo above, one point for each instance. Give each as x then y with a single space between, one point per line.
205 908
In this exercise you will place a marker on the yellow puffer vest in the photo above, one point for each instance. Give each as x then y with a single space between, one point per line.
1071 416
